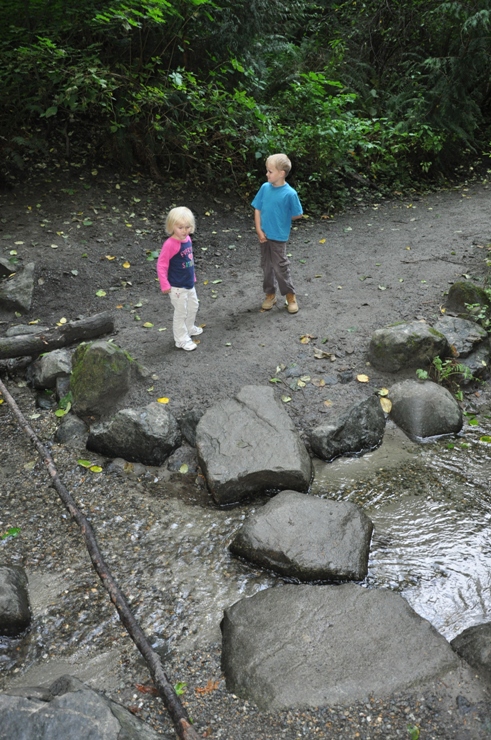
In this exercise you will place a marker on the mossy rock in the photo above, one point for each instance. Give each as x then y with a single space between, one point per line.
101 376
465 292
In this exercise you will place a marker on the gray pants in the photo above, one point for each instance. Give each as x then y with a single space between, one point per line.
276 268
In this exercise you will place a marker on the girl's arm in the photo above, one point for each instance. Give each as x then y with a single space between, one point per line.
169 248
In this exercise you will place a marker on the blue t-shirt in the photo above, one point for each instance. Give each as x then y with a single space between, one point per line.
181 267
278 205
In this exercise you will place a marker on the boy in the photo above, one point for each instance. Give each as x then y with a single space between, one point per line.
276 205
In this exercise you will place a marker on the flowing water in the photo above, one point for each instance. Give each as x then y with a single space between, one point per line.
431 509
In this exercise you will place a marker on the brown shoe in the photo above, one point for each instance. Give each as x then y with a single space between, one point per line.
291 303
269 302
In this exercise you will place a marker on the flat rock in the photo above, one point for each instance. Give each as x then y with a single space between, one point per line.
474 646
307 538
248 445
298 646
461 334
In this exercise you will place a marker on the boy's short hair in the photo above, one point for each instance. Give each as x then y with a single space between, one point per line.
280 162
182 216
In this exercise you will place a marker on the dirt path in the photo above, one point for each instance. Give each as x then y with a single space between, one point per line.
377 264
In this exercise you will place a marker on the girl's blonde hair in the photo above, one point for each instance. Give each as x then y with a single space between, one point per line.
181 216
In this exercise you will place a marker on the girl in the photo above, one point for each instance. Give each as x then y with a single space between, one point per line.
175 270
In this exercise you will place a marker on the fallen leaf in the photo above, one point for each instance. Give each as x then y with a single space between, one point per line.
126 265
363 378
84 463
110 257
286 399
386 404
485 438
210 686
184 468
101 293
147 325
319 354
216 281
322 241
382 287
274 380
301 384
164 399
61 321
327 402
383 392
95 469
146 689
318 382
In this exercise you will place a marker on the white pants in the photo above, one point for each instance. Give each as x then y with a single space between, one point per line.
186 305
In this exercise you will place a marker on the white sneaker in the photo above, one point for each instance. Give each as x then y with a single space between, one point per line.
188 346
196 331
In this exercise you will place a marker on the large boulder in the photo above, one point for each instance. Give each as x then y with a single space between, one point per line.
424 409
147 435
101 376
359 429
312 646
15 613
16 292
413 344
474 646
68 710
307 538
249 445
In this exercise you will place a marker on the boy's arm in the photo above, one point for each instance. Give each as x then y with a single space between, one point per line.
257 223
295 218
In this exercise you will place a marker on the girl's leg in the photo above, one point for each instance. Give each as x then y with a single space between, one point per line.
178 297
191 309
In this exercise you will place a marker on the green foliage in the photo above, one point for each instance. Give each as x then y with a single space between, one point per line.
12 532
448 373
360 95
413 731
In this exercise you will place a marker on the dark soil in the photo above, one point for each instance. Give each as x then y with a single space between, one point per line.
379 263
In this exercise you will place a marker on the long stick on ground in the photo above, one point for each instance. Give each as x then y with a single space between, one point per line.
184 729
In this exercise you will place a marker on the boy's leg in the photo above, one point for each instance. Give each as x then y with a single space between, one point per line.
269 280
281 267
179 300
191 310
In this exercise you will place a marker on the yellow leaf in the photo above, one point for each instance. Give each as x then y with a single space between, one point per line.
1 400
301 384
318 382
184 468
363 378
205 282
442 309
286 399
36 321
305 340
164 399
96 469
386 404
322 241
62 321
383 392
148 325
110 257
305 378
126 264
319 354
327 402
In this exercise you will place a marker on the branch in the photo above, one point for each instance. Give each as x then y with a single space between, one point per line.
184 729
